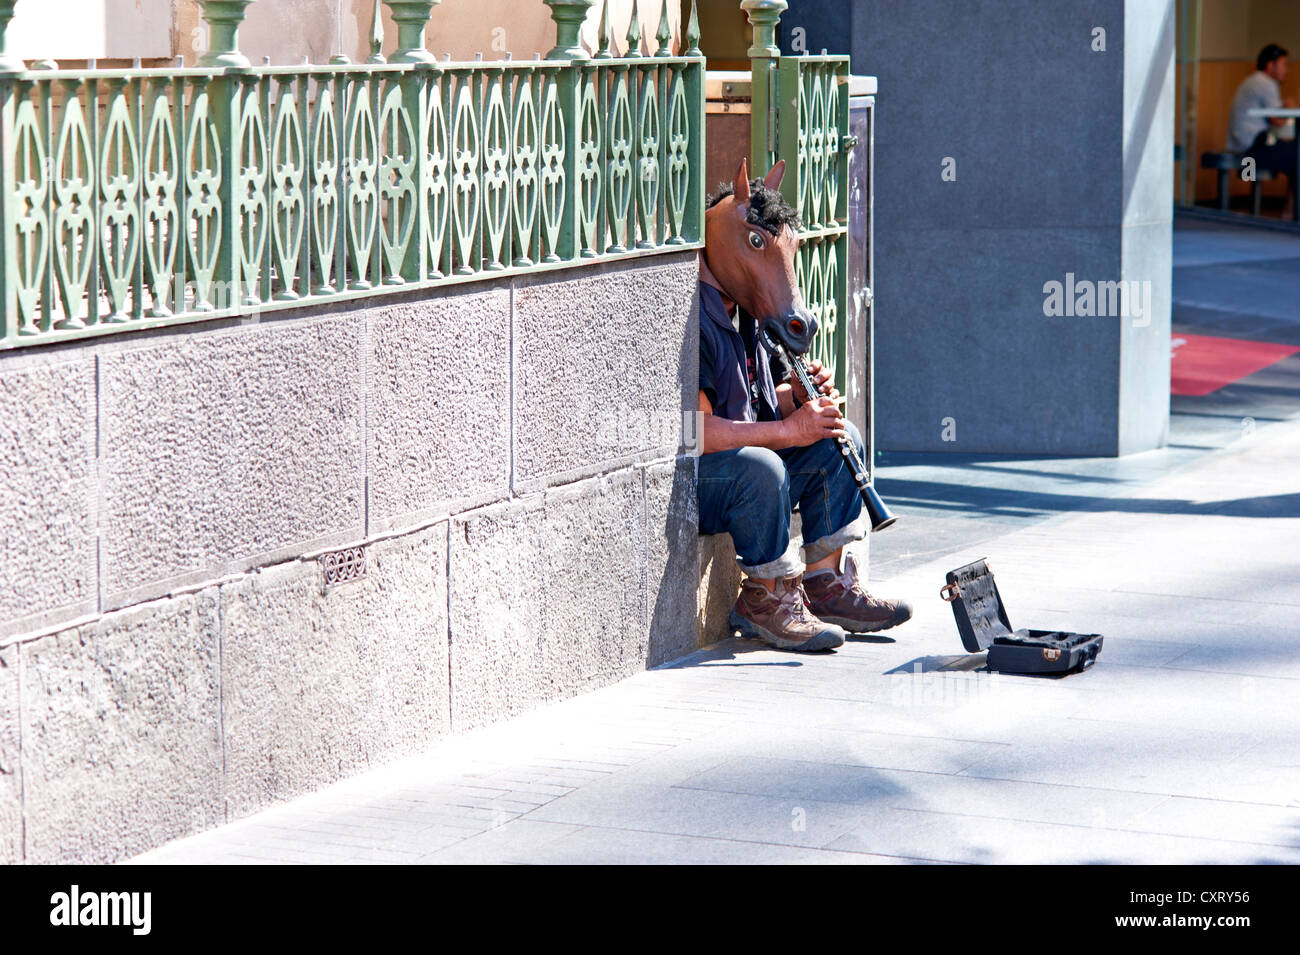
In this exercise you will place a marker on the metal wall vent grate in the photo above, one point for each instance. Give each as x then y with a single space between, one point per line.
343 565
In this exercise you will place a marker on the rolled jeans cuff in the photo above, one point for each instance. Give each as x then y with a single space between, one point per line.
823 547
785 565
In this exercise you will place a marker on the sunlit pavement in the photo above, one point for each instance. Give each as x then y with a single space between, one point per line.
1179 746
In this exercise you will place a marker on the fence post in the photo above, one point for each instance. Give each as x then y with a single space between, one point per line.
764 57
9 64
225 97
569 16
224 18
696 193
411 17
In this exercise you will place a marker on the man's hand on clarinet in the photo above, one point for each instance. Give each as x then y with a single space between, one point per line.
821 376
813 421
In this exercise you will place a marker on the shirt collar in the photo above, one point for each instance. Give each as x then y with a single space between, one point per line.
711 302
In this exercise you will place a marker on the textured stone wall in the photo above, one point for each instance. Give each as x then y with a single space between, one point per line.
508 454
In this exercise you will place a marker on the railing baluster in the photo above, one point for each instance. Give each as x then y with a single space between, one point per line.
374 89
260 94
48 303
135 97
535 77
663 93
178 112
94 295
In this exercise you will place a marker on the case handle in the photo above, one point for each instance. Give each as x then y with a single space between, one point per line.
950 592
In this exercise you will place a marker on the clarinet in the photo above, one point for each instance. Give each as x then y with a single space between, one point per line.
877 511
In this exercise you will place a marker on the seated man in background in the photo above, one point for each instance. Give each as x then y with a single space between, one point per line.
1256 137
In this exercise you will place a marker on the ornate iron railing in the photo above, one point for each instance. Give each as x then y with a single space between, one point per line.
135 198
801 114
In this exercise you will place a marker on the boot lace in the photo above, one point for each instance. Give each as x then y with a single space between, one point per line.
793 606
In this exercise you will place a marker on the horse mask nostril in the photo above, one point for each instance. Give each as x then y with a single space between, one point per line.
795 331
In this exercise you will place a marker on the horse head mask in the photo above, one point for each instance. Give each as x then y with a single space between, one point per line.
749 251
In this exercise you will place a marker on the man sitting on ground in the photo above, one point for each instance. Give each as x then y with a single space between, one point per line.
760 456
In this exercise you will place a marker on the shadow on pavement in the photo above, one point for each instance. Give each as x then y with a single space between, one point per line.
988 501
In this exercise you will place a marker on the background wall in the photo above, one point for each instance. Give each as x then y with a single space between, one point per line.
79 29
1062 158
288 30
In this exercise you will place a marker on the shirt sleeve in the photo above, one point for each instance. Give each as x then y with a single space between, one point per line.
708 368
1272 98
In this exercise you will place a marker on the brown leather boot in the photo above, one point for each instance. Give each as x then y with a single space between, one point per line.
840 599
780 618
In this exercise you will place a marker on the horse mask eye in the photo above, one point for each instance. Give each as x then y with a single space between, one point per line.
756 240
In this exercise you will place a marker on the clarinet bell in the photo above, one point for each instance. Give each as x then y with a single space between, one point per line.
877 510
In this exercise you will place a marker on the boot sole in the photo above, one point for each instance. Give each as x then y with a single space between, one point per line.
825 640
855 626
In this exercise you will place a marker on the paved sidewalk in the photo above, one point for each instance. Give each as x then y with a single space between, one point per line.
1180 746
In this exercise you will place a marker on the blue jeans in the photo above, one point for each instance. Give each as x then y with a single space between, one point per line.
749 493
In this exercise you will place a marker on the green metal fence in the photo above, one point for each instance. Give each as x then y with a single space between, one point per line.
135 198
801 115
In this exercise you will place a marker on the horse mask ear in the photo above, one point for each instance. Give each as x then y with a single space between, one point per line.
773 178
740 187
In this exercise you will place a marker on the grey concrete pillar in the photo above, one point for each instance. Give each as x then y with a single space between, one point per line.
1024 177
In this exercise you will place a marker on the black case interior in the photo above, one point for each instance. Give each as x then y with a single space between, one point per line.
983 623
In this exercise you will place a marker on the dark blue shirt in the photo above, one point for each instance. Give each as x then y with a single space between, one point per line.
735 371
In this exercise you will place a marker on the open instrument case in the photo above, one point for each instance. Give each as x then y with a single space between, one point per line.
982 621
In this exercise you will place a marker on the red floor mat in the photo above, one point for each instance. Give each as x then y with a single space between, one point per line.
1203 363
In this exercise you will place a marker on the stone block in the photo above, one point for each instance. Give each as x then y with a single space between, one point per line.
941 358
225 450
439 419
719 585
1064 168
604 366
672 551
1144 400
11 787
47 456
1149 52
548 597
121 728
320 684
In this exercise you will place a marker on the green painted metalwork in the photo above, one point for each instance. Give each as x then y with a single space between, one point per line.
9 63
223 18
411 16
143 197
801 114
